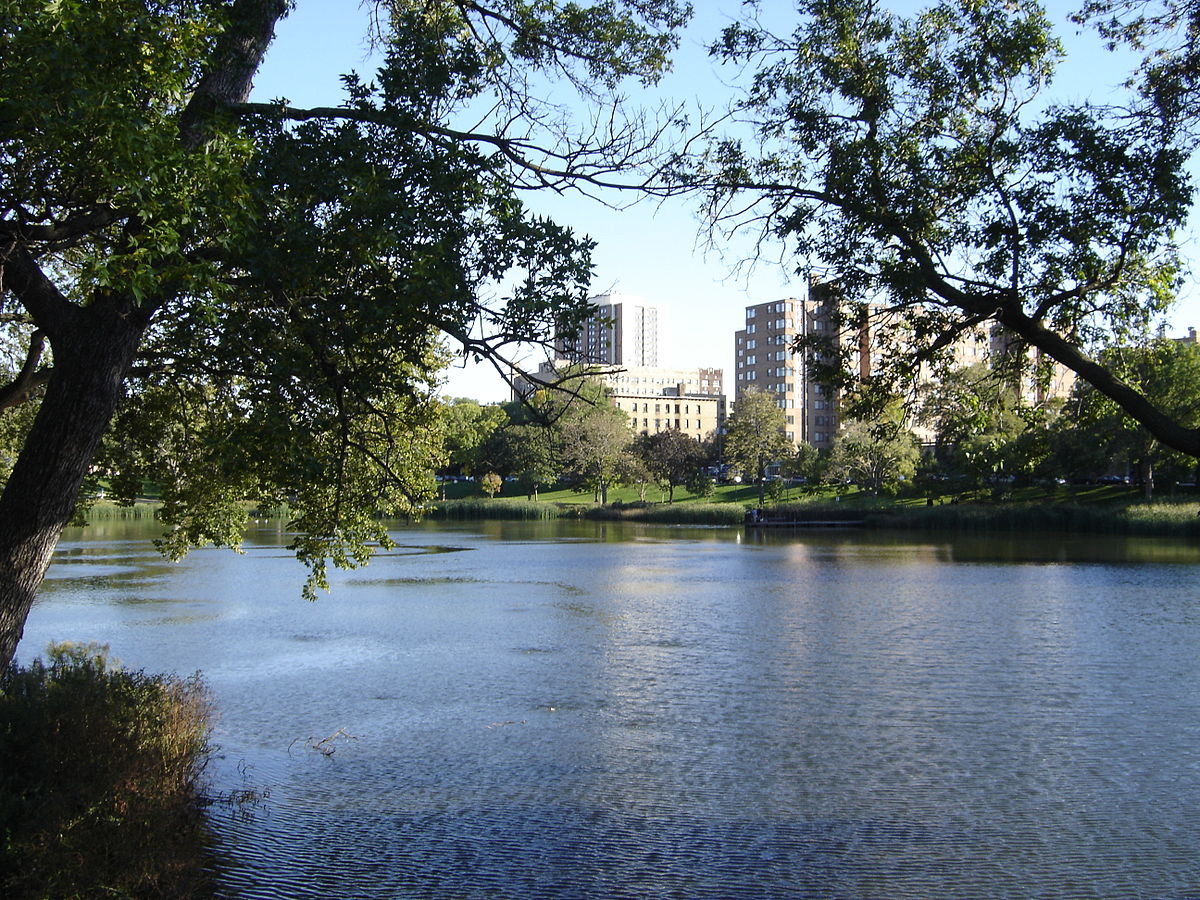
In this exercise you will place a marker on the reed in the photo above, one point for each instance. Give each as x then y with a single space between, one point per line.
1153 519
672 514
493 509
106 510
100 781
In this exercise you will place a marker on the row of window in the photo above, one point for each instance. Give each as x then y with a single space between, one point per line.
780 307
662 407
660 424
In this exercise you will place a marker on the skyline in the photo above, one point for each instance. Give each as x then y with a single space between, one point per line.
653 250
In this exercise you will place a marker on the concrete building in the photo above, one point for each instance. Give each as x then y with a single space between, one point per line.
622 331
1042 378
763 359
654 398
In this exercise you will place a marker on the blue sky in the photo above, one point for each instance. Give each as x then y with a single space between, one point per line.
654 251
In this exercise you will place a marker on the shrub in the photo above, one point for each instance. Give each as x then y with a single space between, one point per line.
99 786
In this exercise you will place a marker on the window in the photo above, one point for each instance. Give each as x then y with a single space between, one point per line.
750 345
751 360
749 329
818 404
819 436
791 420
750 313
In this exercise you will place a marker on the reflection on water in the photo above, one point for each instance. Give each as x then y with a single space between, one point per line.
595 710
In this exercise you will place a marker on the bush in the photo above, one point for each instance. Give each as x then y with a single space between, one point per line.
100 781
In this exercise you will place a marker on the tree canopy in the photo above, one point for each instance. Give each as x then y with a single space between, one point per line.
756 436
258 292
917 162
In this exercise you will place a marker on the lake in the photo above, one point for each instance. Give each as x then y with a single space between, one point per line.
578 709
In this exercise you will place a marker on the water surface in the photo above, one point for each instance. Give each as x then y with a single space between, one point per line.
599 710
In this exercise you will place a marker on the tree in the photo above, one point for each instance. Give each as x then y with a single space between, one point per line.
756 436
594 451
672 458
915 160
978 420
595 444
491 483
532 455
876 455
467 426
1165 369
273 281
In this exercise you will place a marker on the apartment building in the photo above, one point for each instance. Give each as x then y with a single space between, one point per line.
622 330
763 360
654 398
1042 378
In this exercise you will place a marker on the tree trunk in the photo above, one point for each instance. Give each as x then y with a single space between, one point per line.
92 355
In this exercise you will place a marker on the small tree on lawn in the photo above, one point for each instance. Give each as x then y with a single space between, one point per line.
491 484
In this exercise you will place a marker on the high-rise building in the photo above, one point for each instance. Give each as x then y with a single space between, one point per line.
763 360
621 331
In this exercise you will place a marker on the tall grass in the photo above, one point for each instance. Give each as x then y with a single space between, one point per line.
100 780
1158 519
494 509
673 514
106 510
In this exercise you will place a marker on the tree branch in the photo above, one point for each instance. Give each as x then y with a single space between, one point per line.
29 378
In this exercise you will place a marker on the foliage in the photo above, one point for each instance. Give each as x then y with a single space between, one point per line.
490 484
672 457
916 160
701 484
756 436
877 455
978 419
678 514
100 788
265 290
1166 369
468 426
529 453
595 441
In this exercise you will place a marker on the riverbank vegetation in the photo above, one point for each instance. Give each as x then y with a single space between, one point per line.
100 782
1089 509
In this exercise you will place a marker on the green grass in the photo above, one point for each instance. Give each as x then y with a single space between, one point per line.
100 780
